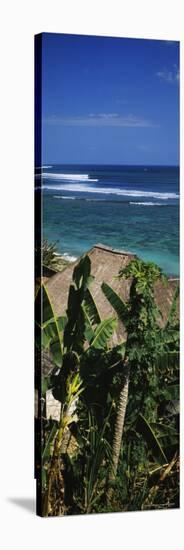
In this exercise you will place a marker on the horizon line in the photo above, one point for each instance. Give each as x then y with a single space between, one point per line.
105 164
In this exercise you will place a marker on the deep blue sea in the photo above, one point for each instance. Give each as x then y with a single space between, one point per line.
134 208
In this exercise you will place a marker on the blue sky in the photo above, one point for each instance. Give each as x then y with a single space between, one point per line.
110 100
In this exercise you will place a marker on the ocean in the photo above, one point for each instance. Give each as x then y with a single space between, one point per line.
133 208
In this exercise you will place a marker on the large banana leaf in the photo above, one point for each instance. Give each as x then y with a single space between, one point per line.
61 322
74 334
91 308
82 273
116 302
92 317
103 333
51 326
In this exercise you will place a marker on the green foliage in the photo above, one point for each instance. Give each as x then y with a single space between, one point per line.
92 317
50 331
146 341
74 334
99 456
145 274
86 378
116 302
103 333
172 319
152 354
47 255
91 308
151 438
67 381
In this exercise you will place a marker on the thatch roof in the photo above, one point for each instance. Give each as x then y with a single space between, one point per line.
105 265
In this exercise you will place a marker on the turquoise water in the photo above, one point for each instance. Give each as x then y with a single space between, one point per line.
131 208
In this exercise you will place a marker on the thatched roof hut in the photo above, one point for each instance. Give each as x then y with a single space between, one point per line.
105 265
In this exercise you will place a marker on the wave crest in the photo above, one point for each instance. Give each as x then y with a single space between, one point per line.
66 177
83 188
146 203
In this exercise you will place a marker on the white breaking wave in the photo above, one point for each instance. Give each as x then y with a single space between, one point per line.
43 167
69 258
66 177
66 256
147 203
111 191
63 197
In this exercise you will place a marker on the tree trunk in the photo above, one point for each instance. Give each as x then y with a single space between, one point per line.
119 425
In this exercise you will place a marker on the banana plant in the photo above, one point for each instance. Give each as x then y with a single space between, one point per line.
69 340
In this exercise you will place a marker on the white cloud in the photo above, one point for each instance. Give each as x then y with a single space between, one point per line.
102 119
103 115
171 76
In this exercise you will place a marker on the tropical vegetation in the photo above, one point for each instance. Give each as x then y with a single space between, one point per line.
46 254
115 446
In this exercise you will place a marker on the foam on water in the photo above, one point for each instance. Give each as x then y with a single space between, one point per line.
64 197
66 177
73 198
83 188
146 203
66 256
43 167
69 258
